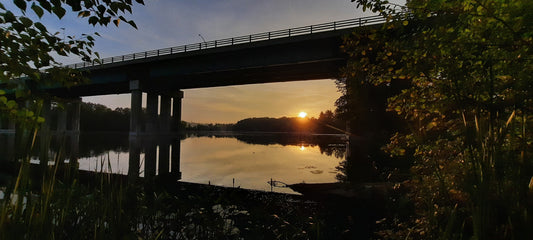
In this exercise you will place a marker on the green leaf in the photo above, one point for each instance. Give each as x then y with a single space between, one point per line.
93 20
26 21
38 10
11 104
18 26
40 26
59 11
46 5
84 14
21 4
2 6
57 3
101 9
75 5
132 23
9 17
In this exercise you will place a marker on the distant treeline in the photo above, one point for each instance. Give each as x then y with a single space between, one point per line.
326 123
97 117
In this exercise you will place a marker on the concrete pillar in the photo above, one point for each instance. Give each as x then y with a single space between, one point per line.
62 120
151 110
175 159
165 114
10 154
164 155
7 147
75 109
176 113
45 137
150 159
136 107
8 126
134 159
9 136
74 132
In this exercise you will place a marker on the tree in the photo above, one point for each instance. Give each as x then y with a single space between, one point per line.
468 109
27 49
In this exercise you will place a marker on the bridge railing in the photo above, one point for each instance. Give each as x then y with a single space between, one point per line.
324 27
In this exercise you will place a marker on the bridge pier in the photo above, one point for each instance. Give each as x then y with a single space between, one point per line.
134 159
176 111
67 131
7 140
152 126
61 121
136 107
45 137
175 159
150 159
164 157
160 118
163 116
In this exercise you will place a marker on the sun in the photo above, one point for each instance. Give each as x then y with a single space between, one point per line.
302 114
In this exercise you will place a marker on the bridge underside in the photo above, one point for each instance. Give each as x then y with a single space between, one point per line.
307 57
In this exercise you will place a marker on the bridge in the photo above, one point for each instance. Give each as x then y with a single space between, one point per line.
303 53
296 54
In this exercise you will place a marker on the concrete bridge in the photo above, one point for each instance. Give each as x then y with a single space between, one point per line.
304 53
297 54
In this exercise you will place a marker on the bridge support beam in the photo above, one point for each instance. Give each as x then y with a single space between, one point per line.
75 109
164 155
68 118
175 159
136 107
74 132
134 159
150 162
151 110
62 121
176 111
45 137
164 116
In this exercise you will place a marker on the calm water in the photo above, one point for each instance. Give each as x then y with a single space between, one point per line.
248 161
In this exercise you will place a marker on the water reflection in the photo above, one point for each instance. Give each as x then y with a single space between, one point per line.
226 159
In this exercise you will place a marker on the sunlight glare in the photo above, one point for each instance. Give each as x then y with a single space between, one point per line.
302 114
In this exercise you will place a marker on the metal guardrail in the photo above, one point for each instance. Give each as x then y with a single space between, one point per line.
324 27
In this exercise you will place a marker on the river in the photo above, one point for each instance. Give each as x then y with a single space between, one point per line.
248 161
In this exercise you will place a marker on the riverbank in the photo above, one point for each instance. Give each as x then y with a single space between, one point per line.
181 210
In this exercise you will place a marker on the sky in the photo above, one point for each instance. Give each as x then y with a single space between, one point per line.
166 23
